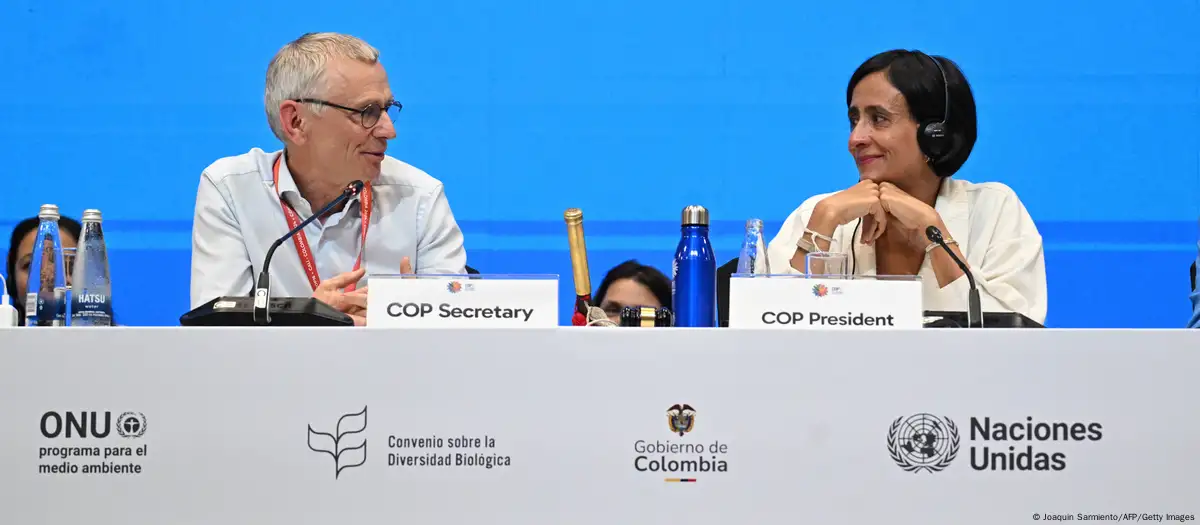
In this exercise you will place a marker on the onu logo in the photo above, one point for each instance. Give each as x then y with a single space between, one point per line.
76 424
92 424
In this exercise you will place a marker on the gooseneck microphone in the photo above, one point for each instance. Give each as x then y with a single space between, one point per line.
262 291
974 312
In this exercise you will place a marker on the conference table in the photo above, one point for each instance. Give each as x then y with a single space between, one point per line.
597 426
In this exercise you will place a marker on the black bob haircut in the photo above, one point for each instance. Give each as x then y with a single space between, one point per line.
916 77
647 276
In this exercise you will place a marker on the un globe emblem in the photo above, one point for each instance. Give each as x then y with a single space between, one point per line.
131 424
923 442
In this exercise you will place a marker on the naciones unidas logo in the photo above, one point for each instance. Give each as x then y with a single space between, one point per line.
929 443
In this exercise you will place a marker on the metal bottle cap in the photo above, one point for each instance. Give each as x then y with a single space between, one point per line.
91 215
695 215
754 224
49 211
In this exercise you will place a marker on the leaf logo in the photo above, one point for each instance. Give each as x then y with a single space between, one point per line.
347 448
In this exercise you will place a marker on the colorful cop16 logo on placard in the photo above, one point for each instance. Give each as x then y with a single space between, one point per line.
681 418
923 442
820 290
343 445
456 286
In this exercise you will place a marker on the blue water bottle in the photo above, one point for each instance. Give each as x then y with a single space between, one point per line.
694 273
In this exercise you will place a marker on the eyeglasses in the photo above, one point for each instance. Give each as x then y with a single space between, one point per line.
368 116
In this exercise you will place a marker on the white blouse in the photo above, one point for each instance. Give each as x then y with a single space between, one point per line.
994 231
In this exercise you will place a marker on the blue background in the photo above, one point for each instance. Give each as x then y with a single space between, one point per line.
629 110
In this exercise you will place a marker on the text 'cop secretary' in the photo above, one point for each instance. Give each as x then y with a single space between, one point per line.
445 310
820 319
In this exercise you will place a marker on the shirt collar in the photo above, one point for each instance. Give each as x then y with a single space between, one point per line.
287 186
288 190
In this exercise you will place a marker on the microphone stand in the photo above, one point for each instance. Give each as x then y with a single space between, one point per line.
262 291
974 311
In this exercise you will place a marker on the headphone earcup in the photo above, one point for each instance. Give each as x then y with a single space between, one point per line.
933 140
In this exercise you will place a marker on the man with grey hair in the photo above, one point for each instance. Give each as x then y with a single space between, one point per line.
328 100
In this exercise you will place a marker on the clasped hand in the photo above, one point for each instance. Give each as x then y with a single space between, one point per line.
882 206
354 303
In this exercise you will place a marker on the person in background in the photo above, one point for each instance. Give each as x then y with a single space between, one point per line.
632 284
328 100
20 256
905 186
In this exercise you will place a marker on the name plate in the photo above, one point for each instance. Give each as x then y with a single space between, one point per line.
454 302
791 302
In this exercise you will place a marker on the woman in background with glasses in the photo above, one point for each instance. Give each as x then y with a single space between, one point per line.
912 126
20 256
632 284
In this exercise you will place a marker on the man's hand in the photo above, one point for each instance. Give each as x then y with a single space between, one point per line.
405 268
354 304
909 214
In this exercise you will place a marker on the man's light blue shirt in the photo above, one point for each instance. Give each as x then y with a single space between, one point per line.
1195 322
238 216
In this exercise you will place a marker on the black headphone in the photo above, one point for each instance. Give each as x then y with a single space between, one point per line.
932 135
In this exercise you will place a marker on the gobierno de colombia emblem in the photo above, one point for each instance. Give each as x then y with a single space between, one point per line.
681 418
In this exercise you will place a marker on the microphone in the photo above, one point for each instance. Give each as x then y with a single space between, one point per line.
579 267
262 291
974 313
646 316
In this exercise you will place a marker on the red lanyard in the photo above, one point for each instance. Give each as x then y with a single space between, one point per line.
301 240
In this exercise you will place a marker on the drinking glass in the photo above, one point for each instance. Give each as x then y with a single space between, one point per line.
68 266
68 255
830 265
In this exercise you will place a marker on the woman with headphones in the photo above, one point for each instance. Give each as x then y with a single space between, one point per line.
912 126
